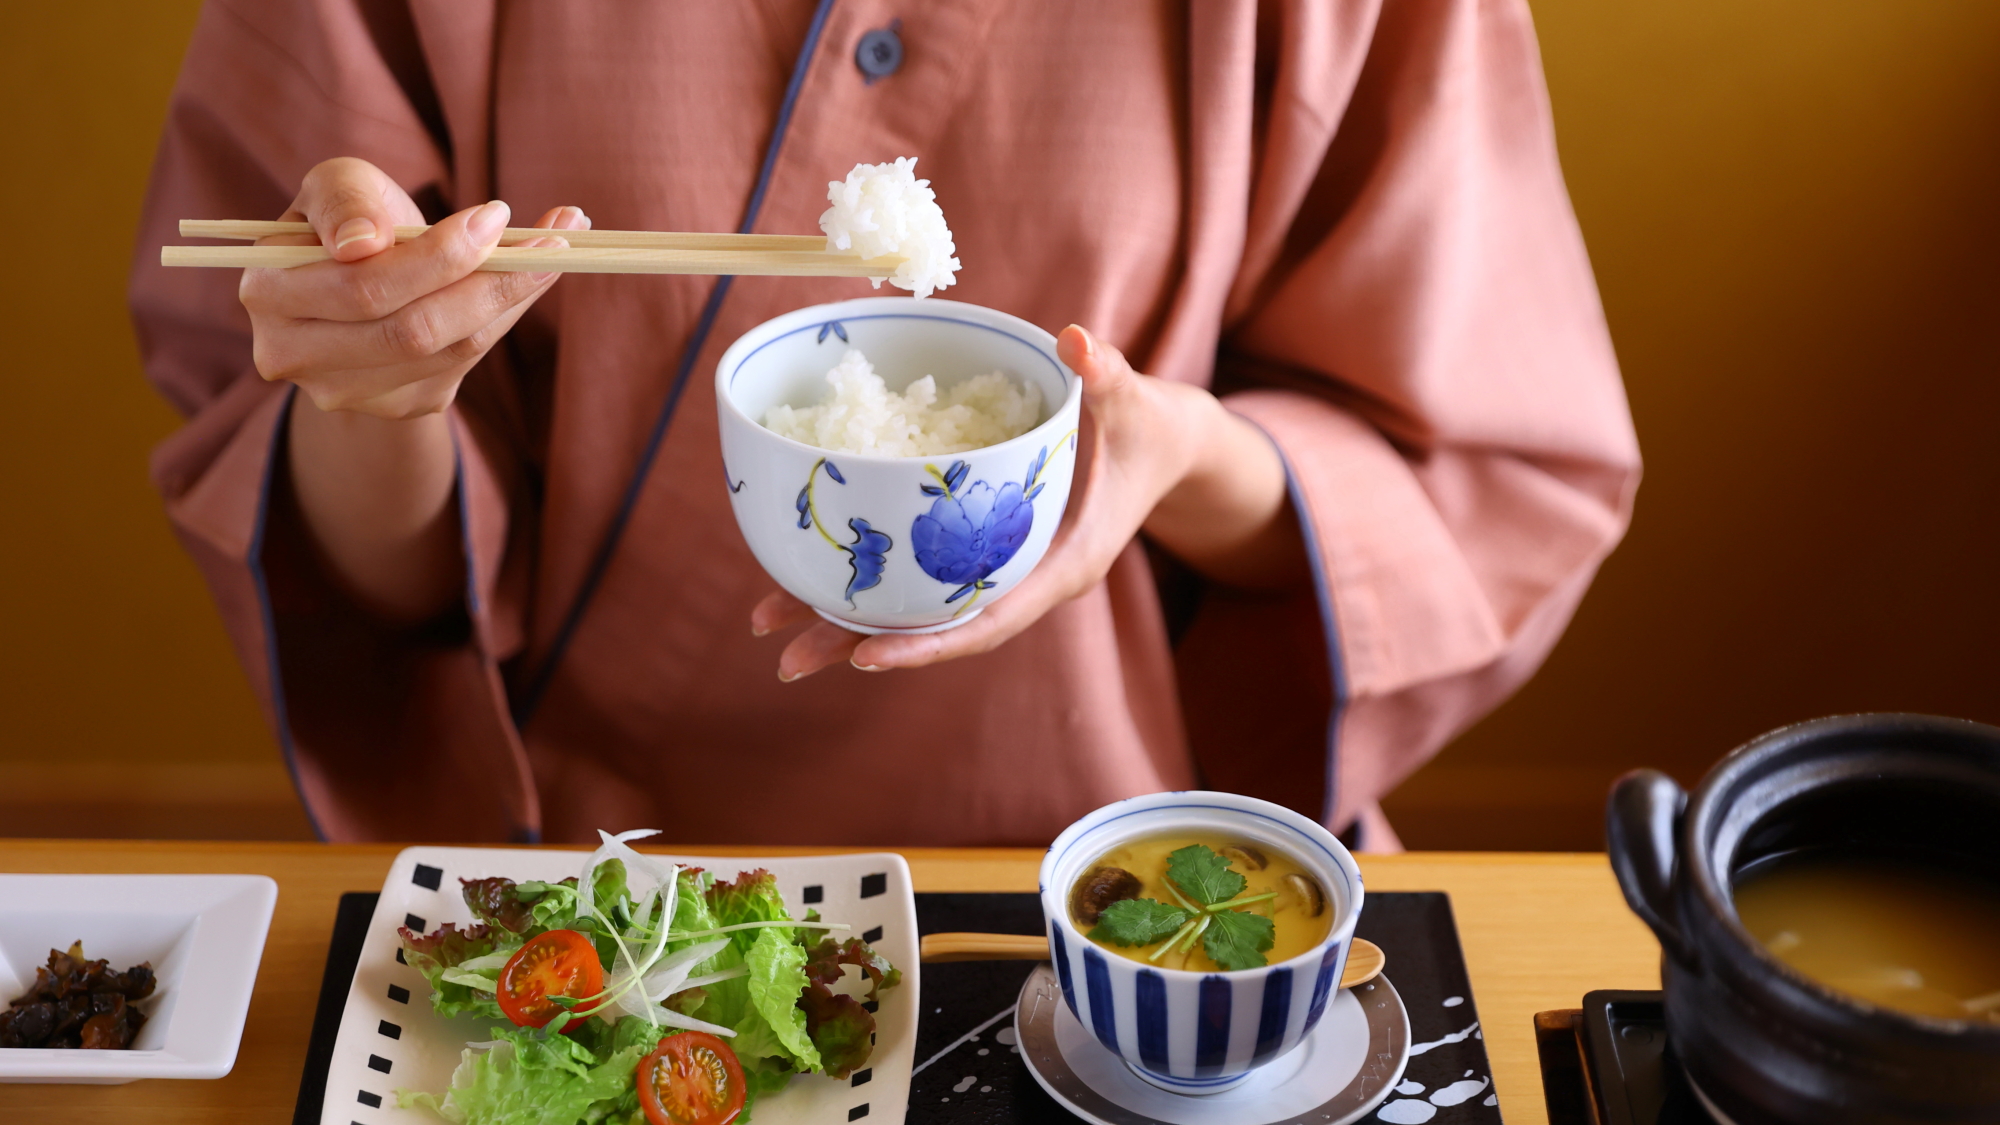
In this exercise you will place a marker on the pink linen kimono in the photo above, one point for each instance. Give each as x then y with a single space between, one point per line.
1344 215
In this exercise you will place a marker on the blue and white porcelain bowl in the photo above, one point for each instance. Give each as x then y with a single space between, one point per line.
895 544
1191 1032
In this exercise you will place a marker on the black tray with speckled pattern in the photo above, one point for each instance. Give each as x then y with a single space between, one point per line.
967 1072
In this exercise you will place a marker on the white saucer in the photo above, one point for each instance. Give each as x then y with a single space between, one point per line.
1342 1071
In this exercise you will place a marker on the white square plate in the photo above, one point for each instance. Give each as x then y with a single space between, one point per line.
391 1040
203 934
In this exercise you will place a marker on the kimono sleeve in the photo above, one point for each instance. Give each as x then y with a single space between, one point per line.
1427 351
399 735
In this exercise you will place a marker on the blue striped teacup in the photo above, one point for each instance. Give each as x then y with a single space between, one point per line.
1191 1032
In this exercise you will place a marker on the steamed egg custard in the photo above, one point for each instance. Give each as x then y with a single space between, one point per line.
1201 902
1901 935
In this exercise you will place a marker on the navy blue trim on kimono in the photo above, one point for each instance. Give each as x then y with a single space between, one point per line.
1329 625
530 696
262 584
464 525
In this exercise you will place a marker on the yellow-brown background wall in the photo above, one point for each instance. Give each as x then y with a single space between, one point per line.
1790 205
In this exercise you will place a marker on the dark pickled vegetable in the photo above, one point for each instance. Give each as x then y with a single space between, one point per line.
78 1003
1098 890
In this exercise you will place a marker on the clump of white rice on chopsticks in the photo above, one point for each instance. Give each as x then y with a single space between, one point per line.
882 209
864 416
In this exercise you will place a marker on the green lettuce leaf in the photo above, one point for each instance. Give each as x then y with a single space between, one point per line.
761 1079
612 893
777 978
631 1031
722 1003
753 897
762 1008
1138 921
447 948
552 904
532 1078
692 913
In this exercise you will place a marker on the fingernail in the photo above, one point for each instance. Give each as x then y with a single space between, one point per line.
759 631
581 220
1089 341
869 667
487 222
352 231
551 244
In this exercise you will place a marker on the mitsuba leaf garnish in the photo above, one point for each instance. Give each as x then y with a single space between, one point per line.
1138 921
1206 889
1204 875
1237 939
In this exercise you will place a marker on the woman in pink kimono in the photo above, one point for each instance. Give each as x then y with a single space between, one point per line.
469 530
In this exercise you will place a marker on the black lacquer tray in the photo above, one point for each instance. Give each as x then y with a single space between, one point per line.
967 1072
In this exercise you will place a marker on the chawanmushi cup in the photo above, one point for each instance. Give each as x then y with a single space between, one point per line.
1198 1032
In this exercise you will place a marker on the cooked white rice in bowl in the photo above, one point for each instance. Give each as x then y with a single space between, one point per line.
862 415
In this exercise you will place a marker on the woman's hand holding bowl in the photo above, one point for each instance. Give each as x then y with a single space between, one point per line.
1163 457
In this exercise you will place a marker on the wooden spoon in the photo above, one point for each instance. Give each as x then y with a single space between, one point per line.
1365 959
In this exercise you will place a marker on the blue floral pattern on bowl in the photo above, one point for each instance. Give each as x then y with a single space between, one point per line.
867 554
971 532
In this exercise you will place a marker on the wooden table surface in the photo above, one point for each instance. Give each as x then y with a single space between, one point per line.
1539 931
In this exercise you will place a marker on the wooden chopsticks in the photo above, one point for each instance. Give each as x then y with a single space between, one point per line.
590 251
1365 959
983 947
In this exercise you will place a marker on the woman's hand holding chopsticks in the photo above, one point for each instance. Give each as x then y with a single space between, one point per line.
377 342
386 328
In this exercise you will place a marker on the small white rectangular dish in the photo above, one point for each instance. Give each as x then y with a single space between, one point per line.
390 1039
203 934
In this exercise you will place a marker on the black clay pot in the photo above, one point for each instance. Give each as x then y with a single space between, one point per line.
1762 1043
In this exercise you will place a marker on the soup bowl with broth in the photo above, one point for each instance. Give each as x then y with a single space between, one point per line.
1197 935
1828 903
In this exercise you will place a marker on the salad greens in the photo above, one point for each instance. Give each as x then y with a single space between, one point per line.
683 950
1206 909
528 1075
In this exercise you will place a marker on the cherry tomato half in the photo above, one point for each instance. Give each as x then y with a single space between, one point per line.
692 1078
558 963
